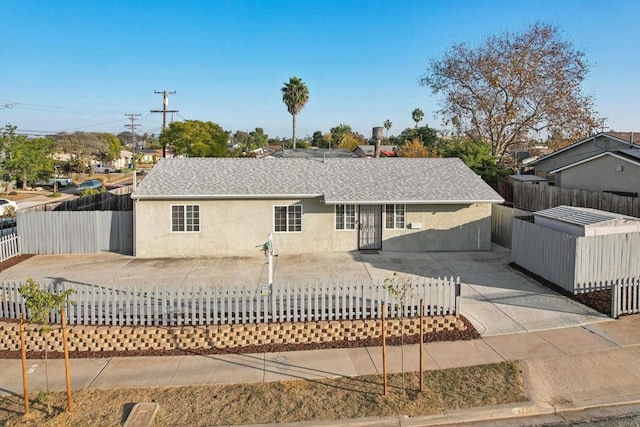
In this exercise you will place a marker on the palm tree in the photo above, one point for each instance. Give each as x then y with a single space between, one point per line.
417 116
295 94
387 126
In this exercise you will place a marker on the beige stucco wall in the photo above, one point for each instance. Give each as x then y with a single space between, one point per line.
444 228
239 227
601 175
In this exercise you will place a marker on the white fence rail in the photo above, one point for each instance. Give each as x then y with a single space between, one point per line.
9 247
131 305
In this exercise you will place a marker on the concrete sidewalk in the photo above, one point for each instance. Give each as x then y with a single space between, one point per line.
564 369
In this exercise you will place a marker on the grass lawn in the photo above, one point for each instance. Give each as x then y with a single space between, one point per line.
285 401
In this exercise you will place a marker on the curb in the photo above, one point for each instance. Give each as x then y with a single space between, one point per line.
472 415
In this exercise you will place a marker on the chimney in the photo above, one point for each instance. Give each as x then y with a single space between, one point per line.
376 138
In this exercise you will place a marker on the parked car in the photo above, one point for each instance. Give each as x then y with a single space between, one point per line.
62 182
104 168
94 184
5 204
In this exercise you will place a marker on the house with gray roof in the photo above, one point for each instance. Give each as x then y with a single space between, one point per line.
227 207
546 166
616 172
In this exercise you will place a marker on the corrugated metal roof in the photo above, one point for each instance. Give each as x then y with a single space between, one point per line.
358 180
579 216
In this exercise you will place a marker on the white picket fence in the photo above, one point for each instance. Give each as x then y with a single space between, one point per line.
625 296
9 247
197 306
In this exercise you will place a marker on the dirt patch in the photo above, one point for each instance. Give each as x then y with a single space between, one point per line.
283 401
13 261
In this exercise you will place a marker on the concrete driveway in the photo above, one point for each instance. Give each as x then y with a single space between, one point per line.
494 297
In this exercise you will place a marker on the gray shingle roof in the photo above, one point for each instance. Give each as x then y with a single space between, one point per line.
359 180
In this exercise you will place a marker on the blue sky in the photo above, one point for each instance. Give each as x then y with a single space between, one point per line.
81 65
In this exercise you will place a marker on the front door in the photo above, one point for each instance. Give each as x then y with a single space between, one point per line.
370 227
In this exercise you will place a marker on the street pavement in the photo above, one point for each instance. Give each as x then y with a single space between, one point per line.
571 356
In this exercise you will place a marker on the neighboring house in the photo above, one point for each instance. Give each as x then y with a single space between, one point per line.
581 150
370 151
533 179
121 162
149 155
615 172
227 207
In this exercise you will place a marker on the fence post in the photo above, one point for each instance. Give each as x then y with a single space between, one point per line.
458 296
615 299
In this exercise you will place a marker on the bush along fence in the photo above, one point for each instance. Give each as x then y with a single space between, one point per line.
9 247
136 306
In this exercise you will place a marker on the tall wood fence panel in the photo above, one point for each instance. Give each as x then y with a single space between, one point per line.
172 306
62 232
501 218
548 253
118 199
532 197
601 258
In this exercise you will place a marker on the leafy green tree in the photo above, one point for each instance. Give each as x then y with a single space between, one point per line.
428 136
317 139
338 135
478 155
85 148
259 138
195 138
295 95
113 147
25 160
513 86
387 125
417 115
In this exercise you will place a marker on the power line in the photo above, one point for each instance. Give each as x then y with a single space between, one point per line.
164 111
133 117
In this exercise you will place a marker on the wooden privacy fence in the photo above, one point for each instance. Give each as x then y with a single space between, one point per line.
9 247
133 306
501 218
532 197
575 263
60 232
118 199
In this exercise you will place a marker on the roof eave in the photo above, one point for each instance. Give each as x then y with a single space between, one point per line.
410 202
221 196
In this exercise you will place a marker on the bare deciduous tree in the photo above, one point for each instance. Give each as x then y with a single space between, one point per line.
513 85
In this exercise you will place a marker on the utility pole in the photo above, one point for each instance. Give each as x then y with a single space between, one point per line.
133 117
164 111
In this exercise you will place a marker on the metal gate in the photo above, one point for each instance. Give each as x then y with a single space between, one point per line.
370 227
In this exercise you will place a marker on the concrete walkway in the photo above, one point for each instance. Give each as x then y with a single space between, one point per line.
496 298
564 369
